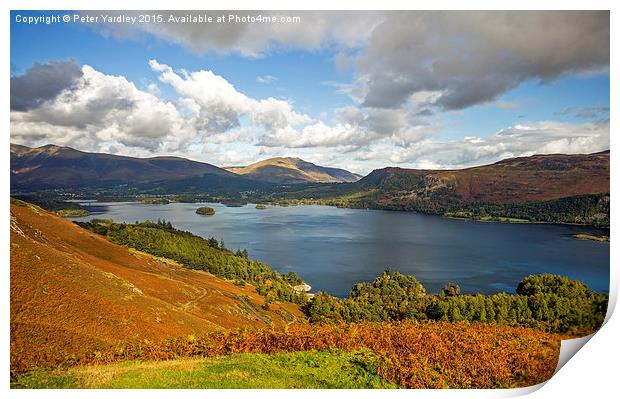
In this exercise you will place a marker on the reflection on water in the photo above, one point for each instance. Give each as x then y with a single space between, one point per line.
333 248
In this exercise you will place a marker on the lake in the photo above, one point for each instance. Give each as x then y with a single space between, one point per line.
333 248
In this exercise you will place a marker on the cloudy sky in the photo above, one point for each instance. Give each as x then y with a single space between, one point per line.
357 90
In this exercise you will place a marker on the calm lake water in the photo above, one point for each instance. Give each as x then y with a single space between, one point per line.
333 248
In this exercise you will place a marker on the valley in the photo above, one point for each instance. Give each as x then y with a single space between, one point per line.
306 199
81 300
132 291
555 188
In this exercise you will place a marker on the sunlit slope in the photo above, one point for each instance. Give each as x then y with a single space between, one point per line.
293 170
73 292
515 180
554 188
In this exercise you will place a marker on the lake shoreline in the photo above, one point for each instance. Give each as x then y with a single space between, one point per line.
333 248
499 219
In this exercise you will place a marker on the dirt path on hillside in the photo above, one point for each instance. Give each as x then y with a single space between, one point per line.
188 305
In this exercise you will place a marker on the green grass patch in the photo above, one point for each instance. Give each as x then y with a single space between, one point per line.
325 369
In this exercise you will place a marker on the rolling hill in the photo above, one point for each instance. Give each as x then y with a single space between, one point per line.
74 292
51 167
515 180
293 170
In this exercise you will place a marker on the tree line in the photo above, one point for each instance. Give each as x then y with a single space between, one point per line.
548 302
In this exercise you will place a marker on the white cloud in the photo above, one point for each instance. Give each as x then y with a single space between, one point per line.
354 129
316 135
215 122
103 108
543 137
218 106
425 98
108 112
153 89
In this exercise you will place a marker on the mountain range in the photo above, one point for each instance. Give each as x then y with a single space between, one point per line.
555 188
552 188
52 167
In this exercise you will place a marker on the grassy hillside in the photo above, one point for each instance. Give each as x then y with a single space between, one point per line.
511 181
326 370
73 292
194 252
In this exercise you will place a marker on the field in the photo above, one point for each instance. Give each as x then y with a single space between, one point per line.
469 215
326 369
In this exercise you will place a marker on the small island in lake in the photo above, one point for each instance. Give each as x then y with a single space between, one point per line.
591 237
155 201
205 211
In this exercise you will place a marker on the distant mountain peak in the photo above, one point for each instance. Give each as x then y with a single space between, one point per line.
287 170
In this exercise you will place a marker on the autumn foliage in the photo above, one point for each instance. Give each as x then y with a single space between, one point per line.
414 355
78 299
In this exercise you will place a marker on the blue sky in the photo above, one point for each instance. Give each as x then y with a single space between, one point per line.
301 74
338 93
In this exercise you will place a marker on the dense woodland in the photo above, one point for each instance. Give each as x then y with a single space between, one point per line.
548 302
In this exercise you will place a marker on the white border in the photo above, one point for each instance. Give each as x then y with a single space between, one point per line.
591 372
